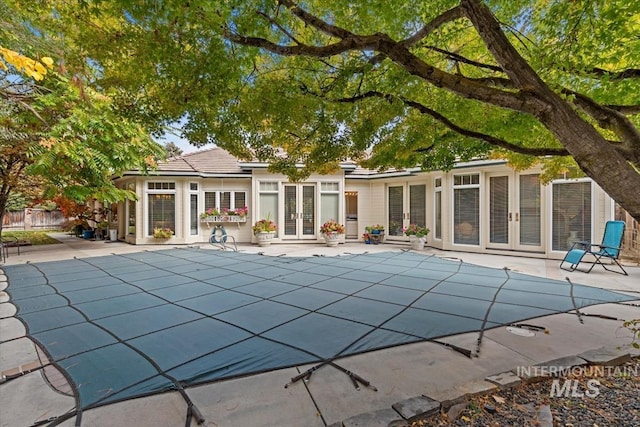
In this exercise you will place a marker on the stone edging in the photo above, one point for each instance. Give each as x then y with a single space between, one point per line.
402 413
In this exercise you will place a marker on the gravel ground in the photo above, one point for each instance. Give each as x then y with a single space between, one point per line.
614 401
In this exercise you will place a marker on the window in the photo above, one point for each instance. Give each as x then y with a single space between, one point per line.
571 216
268 200
471 179
161 186
225 199
437 200
193 208
499 209
466 209
530 210
329 196
417 204
351 201
131 211
161 199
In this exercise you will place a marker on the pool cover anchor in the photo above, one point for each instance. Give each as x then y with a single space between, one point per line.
24 369
356 379
463 351
530 327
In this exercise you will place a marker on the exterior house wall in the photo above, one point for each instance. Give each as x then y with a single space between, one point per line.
240 231
372 208
374 205
260 176
553 217
366 207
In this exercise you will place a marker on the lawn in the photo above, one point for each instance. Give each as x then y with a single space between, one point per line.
34 237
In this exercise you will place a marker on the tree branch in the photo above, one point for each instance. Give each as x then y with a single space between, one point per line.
625 109
315 22
422 33
612 120
492 140
280 27
630 73
434 24
498 82
352 43
524 101
460 58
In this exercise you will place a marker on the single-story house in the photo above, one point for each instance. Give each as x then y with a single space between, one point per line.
479 206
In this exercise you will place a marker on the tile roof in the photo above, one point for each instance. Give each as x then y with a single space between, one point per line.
209 161
218 161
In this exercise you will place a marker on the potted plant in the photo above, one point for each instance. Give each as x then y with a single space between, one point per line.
331 232
101 230
225 215
375 232
264 230
417 235
162 233
209 214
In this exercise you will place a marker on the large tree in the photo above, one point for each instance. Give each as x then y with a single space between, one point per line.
63 136
388 83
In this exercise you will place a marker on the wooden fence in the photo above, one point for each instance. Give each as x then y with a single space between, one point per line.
33 219
631 240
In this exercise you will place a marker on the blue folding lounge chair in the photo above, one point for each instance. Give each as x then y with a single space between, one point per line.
608 249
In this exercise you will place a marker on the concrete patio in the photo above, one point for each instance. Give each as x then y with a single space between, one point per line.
399 373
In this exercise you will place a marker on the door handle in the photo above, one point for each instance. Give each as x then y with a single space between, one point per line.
510 216
517 216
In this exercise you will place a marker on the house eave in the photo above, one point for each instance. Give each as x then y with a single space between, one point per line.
265 165
186 174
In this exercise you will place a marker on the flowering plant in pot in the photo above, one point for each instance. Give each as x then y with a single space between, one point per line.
264 226
375 233
332 226
374 229
210 212
162 233
417 235
331 231
416 230
264 230
241 212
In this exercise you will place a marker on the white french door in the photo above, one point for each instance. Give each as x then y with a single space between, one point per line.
406 204
515 205
299 211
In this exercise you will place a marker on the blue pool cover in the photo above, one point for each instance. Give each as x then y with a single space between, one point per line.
124 326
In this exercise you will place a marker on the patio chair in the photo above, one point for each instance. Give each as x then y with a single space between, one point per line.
5 243
608 249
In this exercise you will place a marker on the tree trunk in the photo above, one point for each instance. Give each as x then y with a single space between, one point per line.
4 198
593 153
